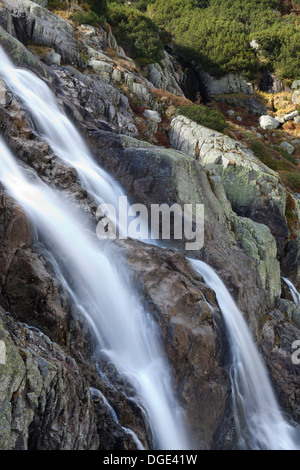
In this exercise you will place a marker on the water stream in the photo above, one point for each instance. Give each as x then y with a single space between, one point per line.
259 421
293 291
124 330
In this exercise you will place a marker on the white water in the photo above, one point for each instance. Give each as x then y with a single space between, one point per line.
258 416
97 393
61 135
123 329
293 290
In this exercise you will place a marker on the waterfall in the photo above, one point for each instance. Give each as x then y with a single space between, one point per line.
259 421
61 135
58 131
125 332
293 290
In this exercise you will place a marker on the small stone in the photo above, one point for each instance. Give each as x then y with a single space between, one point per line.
296 84
88 29
280 119
254 44
258 135
290 116
297 119
239 119
152 115
52 58
230 112
117 75
287 147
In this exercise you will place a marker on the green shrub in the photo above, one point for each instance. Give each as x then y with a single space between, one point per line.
88 17
204 116
57 5
136 32
293 179
217 33
98 6
265 155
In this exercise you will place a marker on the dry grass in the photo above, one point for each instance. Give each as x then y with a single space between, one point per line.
278 104
168 99
40 51
122 62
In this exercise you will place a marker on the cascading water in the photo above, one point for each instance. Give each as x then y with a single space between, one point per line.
58 131
293 290
124 331
258 417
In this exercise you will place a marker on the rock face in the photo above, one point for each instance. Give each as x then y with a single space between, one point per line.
43 28
229 84
189 332
250 186
278 336
95 100
164 76
39 381
20 54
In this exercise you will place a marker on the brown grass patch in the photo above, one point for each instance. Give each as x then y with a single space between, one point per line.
169 99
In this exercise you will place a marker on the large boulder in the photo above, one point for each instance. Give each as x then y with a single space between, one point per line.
296 97
268 122
289 148
253 189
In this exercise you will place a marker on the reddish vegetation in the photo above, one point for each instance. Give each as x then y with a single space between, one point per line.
170 99
161 135
162 139
137 110
289 126
248 120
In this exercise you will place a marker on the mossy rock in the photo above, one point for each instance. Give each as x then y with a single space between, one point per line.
19 54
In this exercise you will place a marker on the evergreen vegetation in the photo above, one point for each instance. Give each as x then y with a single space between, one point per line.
204 116
135 31
214 33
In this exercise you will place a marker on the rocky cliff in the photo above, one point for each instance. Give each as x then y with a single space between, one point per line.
51 391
